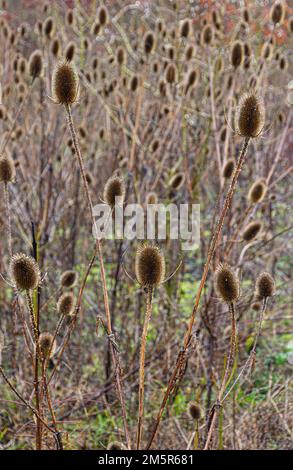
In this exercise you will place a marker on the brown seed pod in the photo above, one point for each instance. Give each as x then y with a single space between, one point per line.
226 283
277 13
103 15
24 271
245 15
148 42
256 306
48 27
120 56
283 64
115 445
35 64
189 52
264 286
195 411
55 47
65 304
70 51
65 84
68 279
185 28
266 51
149 266
251 230
114 191
257 191
237 54
46 345
207 35
7 170
134 83
250 116
228 168
70 17
171 73
177 181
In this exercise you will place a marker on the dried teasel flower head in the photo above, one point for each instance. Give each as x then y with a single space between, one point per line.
114 191
24 272
115 445
149 265
103 15
65 84
252 230
257 191
195 411
250 115
264 286
226 283
228 168
148 42
7 169
171 73
70 51
68 278
48 27
237 54
65 304
185 28
207 35
277 13
151 198
35 64
177 181
47 345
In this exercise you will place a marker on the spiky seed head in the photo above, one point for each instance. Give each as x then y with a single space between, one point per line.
278 12
120 56
65 304
24 272
70 17
46 345
70 51
65 84
35 64
68 279
252 230
177 181
149 265
226 283
148 42
170 73
250 116
185 28
207 35
257 191
7 169
228 168
55 47
48 27
264 286
283 64
103 15
152 198
245 15
134 83
114 191
237 54
256 306
195 411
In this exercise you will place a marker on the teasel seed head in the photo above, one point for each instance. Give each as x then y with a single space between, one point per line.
185 28
55 47
252 230
256 306
35 64
48 27
65 304
120 56
237 54
278 12
115 445
264 286
148 42
152 198
257 191
70 52
7 169
207 35
195 411
46 345
103 15
267 51
24 272
177 181
70 17
65 84
226 283
134 83
149 266
283 64
114 191
189 52
171 73
228 168
245 15
68 279
250 115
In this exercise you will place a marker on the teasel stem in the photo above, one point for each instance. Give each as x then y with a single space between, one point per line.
213 244
142 365
252 352
214 123
36 369
7 208
216 408
115 356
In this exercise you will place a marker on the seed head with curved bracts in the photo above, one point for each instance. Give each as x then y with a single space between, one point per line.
68 279
47 347
149 265
257 191
35 64
65 84
252 230
226 283
195 411
250 116
65 304
228 168
24 271
7 170
114 191
264 286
